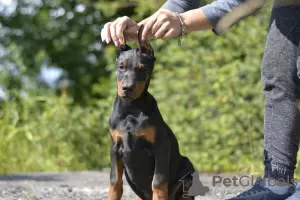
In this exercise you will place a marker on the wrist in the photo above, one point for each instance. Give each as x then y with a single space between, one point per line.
195 20
143 22
181 23
182 28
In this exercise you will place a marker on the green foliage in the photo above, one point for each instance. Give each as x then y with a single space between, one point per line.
214 87
209 91
46 134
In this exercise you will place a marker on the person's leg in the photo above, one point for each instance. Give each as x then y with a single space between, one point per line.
296 195
282 115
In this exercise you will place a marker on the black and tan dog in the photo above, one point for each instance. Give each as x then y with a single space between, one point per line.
143 145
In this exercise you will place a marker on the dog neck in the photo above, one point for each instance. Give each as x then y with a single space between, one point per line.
145 103
142 108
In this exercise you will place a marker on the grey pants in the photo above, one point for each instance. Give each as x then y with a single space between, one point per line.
281 78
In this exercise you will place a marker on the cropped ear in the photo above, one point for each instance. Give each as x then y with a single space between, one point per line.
144 45
124 41
123 46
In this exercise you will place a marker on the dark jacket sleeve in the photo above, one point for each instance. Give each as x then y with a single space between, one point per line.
181 5
214 11
217 9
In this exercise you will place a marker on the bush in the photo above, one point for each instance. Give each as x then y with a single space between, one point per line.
48 134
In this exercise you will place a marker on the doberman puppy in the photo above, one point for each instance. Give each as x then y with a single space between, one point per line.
142 145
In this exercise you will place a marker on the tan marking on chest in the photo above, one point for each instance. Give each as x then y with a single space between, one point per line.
148 133
116 135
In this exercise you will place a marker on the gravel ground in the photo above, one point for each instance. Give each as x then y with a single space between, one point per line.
89 185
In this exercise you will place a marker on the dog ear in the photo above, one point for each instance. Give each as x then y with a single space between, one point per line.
144 45
123 46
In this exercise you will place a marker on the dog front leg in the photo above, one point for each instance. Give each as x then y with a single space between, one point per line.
116 173
161 173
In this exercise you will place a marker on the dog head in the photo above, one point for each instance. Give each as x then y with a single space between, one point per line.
134 68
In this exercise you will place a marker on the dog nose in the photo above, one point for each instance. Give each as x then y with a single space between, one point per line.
127 88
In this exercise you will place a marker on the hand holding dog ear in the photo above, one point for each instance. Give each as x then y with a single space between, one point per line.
162 24
114 31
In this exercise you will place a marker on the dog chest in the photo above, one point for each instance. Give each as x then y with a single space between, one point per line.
133 128
127 139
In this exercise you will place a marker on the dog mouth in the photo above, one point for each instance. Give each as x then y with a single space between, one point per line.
127 97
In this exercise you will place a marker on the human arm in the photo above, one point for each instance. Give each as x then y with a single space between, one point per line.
113 31
165 24
206 17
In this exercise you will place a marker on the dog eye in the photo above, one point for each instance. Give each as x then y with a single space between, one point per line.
122 66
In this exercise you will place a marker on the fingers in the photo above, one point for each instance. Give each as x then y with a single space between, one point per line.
162 30
163 24
114 31
131 33
122 24
156 27
105 33
169 34
148 27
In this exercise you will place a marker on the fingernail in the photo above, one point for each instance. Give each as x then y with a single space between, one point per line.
107 40
120 41
116 43
143 38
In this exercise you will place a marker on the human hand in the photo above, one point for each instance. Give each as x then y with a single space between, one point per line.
163 24
114 31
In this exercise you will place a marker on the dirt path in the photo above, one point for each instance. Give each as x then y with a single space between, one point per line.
84 186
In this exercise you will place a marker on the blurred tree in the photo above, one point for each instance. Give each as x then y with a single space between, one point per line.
65 34
56 33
